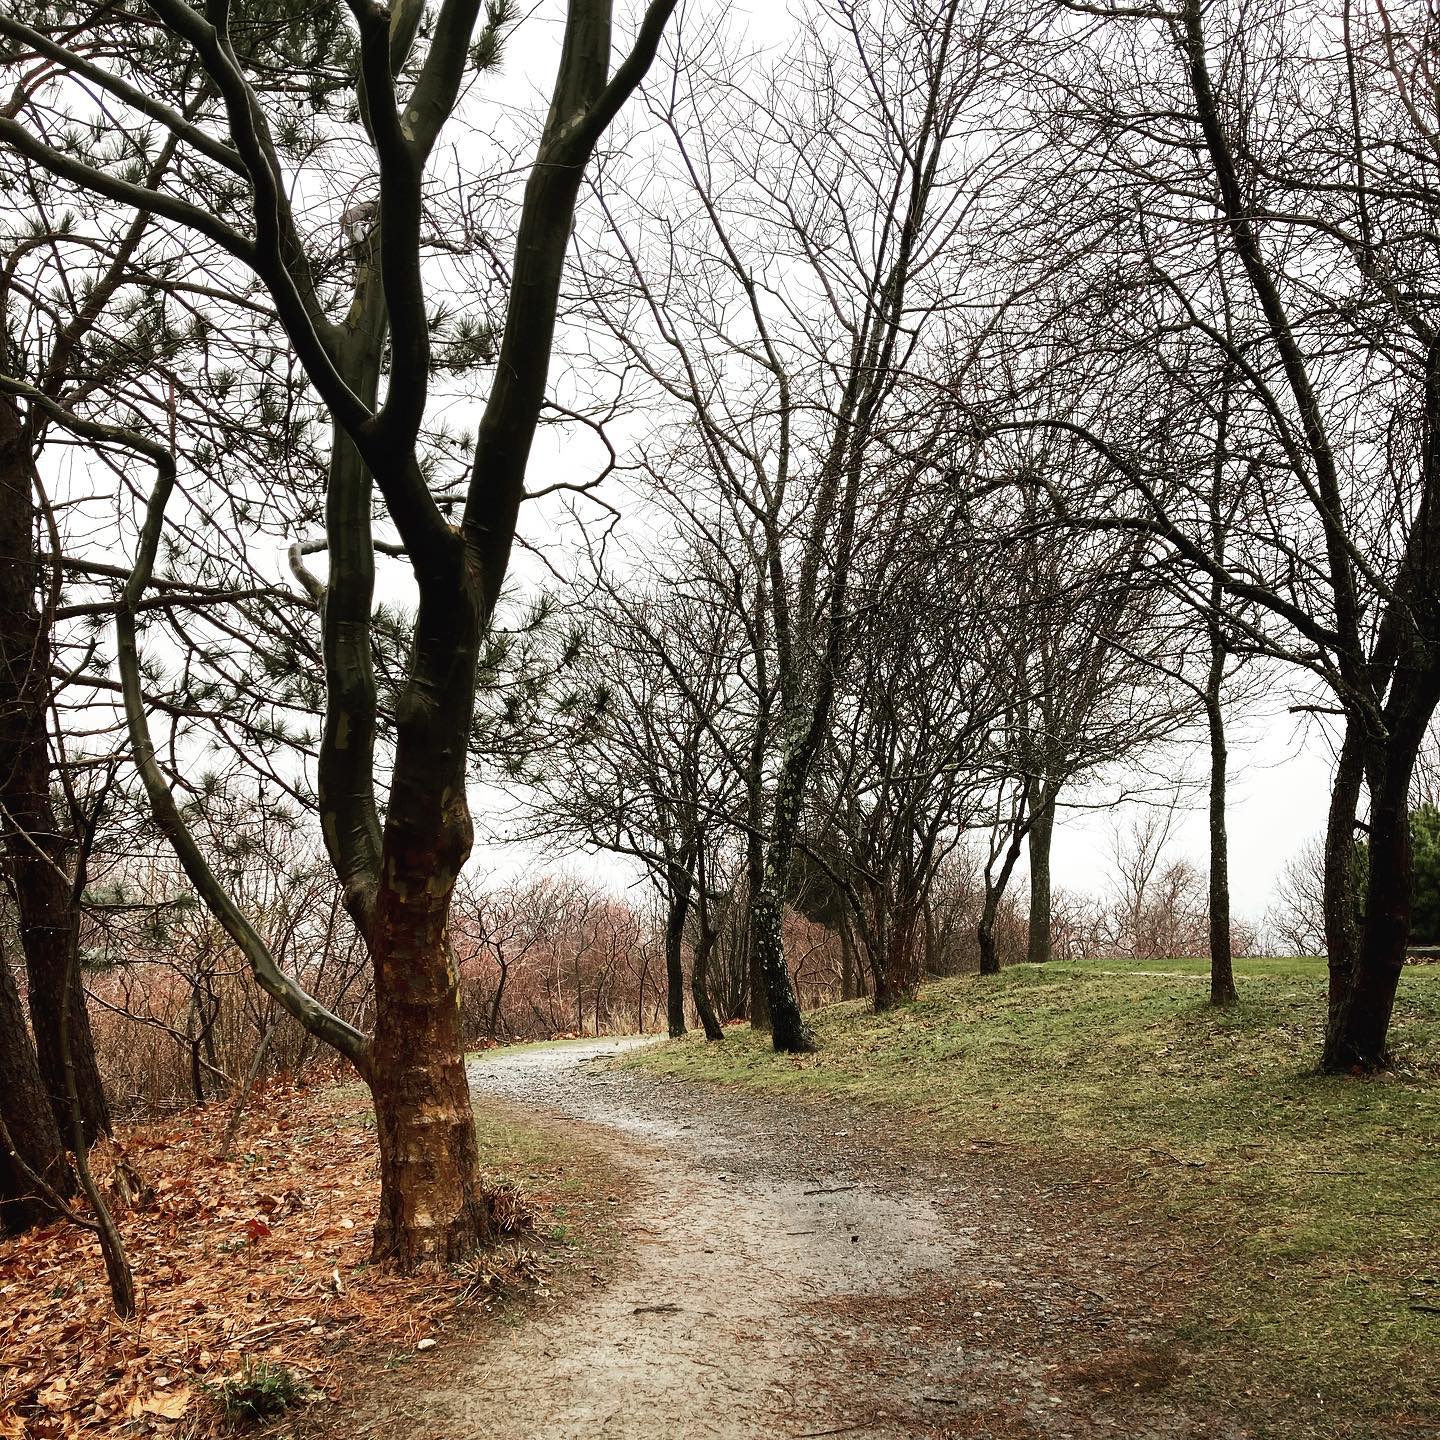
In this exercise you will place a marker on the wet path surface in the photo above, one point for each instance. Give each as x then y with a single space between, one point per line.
792 1270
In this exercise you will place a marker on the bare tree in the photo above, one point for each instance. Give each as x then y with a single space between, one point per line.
781 315
643 764
1269 265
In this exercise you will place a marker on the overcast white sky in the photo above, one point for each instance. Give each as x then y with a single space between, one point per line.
1279 791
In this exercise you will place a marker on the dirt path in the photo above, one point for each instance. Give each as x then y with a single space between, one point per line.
794 1273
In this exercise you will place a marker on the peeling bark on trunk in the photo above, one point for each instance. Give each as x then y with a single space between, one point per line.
398 877
432 1204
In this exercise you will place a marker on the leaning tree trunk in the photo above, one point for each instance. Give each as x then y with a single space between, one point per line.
990 911
1042 831
30 1142
1222 965
33 843
700 979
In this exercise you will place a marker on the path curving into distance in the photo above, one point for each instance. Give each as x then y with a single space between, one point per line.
793 1270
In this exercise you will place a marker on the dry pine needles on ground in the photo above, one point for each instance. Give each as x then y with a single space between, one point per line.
242 1267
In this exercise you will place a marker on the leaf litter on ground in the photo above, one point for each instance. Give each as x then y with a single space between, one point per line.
263 1256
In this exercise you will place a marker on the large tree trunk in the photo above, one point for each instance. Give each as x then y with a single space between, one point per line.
678 911
897 977
34 847
1356 1038
788 1029
1222 967
29 1122
432 1204
1341 938
1042 831
46 918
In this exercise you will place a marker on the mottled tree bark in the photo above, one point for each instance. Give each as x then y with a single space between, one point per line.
788 1029
433 1206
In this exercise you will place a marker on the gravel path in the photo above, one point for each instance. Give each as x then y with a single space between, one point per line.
796 1270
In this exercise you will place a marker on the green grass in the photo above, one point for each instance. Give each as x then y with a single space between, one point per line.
1317 1196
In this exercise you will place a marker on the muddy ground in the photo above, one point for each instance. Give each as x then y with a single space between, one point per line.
802 1271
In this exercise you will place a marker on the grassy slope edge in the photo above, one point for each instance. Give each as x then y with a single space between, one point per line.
1319 1196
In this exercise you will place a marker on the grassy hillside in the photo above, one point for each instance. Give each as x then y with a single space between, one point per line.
1320 1194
